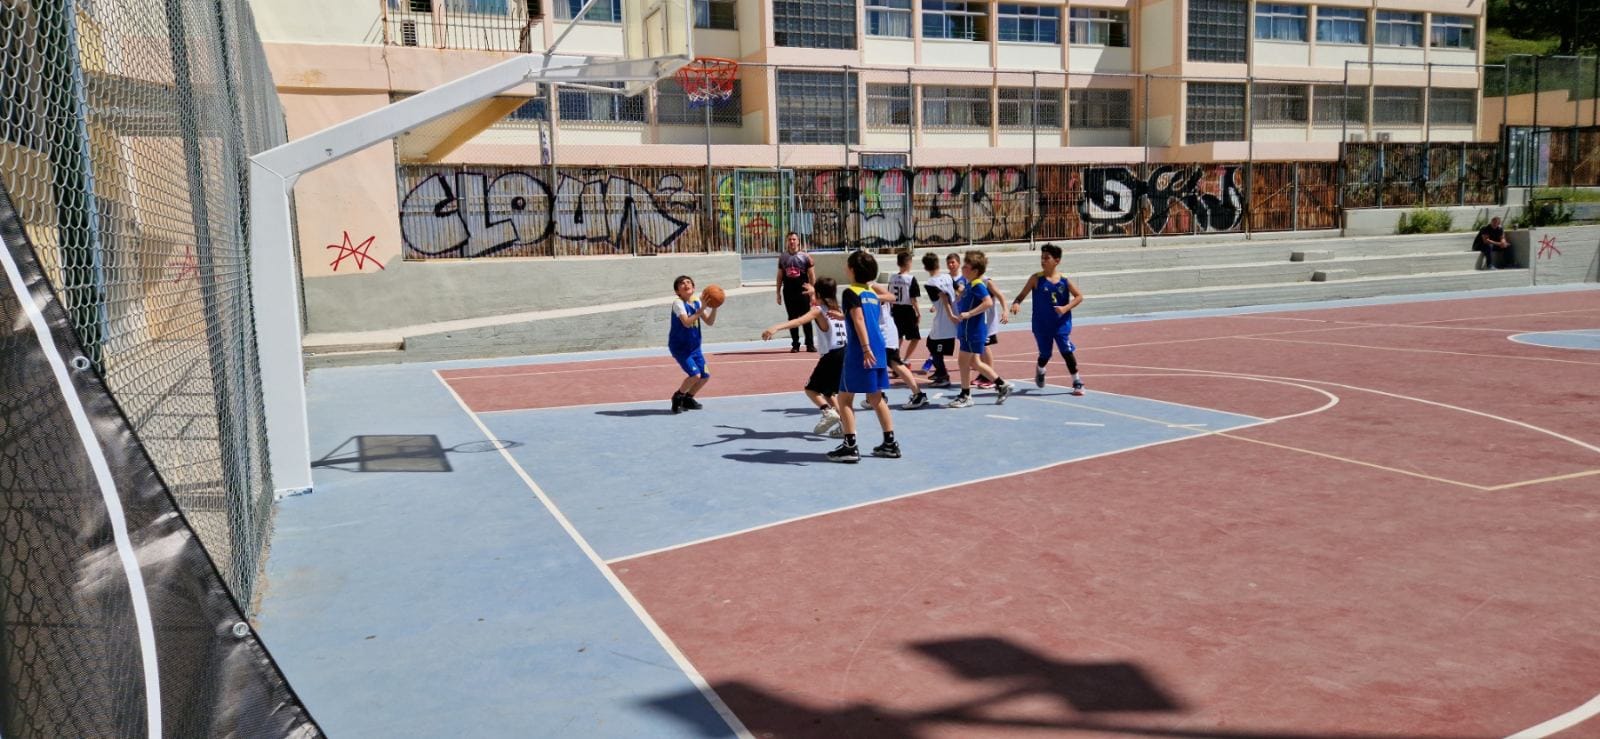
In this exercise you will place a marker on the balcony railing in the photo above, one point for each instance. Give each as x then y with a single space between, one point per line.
482 25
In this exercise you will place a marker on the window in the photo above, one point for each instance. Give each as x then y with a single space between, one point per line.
1331 106
814 24
533 110
476 7
1101 109
1217 31
1397 105
605 11
672 107
1454 32
955 20
718 14
955 107
888 106
1280 104
1397 29
1452 107
1092 27
592 105
1033 24
1018 108
1280 22
1341 25
1216 112
816 107
889 18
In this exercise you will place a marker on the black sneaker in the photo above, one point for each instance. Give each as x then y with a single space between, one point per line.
888 450
845 453
690 404
1038 377
1001 393
677 403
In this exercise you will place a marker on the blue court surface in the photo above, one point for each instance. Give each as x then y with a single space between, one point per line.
1586 339
620 479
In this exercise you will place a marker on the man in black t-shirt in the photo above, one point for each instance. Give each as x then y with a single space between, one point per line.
1491 240
795 271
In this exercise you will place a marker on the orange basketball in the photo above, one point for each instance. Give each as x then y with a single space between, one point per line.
712 296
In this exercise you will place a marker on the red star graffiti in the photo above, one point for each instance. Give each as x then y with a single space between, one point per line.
358 251
188 266
1547 248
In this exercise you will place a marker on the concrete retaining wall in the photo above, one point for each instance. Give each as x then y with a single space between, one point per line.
411 293
1384 221
1559 255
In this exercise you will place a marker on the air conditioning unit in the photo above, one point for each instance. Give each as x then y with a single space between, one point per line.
1384 136
1358 137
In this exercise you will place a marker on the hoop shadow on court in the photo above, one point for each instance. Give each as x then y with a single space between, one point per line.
402 453
767 456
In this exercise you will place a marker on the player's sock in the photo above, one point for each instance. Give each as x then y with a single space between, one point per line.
888 437
849 439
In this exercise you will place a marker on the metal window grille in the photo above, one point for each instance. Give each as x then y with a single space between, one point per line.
955 107
1216 112
1019 109
602 107
672 107
1094 27
1454 32
1032 24
1102 109
1452 107
888 106
1397 105
1330 105
1277 103
1218 30
604 11
950 19
719 14
1341 25
889 18
816 107
1394 28
1280 22
814 24
529 113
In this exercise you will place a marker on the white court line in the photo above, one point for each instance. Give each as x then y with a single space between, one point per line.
1082 423
1561 723
1003 418
1425 351
657 365
611 577
1510 315
138 598
1576 331
631 402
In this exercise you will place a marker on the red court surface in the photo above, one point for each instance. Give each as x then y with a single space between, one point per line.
1410 550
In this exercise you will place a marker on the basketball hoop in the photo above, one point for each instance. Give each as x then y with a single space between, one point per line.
708 80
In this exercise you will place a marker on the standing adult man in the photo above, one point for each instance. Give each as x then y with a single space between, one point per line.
1491 240
796 270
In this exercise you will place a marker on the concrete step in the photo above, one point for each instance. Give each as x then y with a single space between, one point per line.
1251 273
1078 260
1362 287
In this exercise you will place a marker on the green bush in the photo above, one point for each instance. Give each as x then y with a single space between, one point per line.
1568 194
1543 213
1425 221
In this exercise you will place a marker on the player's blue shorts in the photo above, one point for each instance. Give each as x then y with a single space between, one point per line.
974 337
859 379
693 363
1060 340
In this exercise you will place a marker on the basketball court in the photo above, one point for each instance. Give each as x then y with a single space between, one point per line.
1374 518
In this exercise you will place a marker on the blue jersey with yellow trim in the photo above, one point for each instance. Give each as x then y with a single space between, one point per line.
683 339
1048 296
970 300
861 296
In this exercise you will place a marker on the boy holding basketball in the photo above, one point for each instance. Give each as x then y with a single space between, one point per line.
1054 297
683 341
865 370
972 333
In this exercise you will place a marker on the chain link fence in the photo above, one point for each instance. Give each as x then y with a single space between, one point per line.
125 133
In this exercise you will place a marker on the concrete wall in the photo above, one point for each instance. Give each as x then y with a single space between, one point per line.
410 293
1384 221
1559 255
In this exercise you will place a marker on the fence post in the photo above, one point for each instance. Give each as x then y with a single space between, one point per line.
1144 143
1383 173
1461 176
1250 152
1033 169
1294 196
1536 148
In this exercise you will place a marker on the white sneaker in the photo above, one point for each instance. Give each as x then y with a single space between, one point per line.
866 404
961 401
837 432
830 418
916 401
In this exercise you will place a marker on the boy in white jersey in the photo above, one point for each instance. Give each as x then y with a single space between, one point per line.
828 319
996 316
906 315
891 345
942 334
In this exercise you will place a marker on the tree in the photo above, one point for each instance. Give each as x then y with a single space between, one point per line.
1575 22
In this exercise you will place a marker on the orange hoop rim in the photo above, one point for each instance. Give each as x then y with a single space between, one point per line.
708 79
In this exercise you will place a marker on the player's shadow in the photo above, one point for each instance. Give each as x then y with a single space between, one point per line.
742 433
1092 696
792 412
401 453
636 413
776 456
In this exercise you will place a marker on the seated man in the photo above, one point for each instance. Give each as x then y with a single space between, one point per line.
1491 240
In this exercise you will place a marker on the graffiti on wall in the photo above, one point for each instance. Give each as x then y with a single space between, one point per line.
467 214
1112 197
358 253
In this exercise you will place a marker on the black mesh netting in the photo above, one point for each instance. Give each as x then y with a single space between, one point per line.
71 652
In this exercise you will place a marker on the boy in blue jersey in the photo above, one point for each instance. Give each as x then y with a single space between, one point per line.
972 333
865 370
1054 297
683 340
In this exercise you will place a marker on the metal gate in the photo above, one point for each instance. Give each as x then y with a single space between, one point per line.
755 207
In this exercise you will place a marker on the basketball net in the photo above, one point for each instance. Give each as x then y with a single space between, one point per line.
708 80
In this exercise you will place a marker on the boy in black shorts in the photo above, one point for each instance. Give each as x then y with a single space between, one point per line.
904 311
